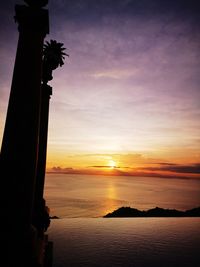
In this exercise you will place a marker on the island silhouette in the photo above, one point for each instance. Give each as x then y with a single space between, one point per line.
155 212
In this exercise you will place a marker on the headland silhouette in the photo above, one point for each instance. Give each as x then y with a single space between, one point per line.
155 212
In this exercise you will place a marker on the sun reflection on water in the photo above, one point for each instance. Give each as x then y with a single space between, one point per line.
111 199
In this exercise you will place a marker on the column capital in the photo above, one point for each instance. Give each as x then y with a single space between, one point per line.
31 19
36 3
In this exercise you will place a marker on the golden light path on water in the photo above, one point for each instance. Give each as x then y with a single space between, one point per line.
96 195
111 196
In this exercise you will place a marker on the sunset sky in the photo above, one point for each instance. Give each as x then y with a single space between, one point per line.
127 100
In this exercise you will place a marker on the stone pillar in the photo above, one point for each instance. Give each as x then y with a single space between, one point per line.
19 152
39 205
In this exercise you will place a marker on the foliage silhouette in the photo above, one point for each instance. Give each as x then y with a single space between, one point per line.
53 57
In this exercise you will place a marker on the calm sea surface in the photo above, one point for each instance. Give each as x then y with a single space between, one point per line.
94 196
82 241
126 242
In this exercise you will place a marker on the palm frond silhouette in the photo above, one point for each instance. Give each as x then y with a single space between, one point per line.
53 57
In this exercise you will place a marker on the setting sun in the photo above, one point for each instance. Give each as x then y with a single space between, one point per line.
112 164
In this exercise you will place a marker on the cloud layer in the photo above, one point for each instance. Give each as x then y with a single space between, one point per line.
131 84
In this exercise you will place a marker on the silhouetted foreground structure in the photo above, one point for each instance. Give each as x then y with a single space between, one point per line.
23 152
156 212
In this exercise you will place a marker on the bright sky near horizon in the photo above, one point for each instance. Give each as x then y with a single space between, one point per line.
128 96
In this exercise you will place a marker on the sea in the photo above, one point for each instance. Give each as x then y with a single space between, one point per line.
82 237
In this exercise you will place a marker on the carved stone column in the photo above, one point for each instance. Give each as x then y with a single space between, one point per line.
39 204
19 152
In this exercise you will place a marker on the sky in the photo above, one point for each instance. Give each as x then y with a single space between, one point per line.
127 100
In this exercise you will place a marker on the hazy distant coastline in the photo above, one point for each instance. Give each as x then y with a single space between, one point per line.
155 212
118 172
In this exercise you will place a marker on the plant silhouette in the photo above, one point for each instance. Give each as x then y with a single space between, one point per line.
53 57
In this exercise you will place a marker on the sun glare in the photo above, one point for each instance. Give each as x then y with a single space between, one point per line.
112 164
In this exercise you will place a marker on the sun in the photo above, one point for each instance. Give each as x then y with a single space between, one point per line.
112 164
